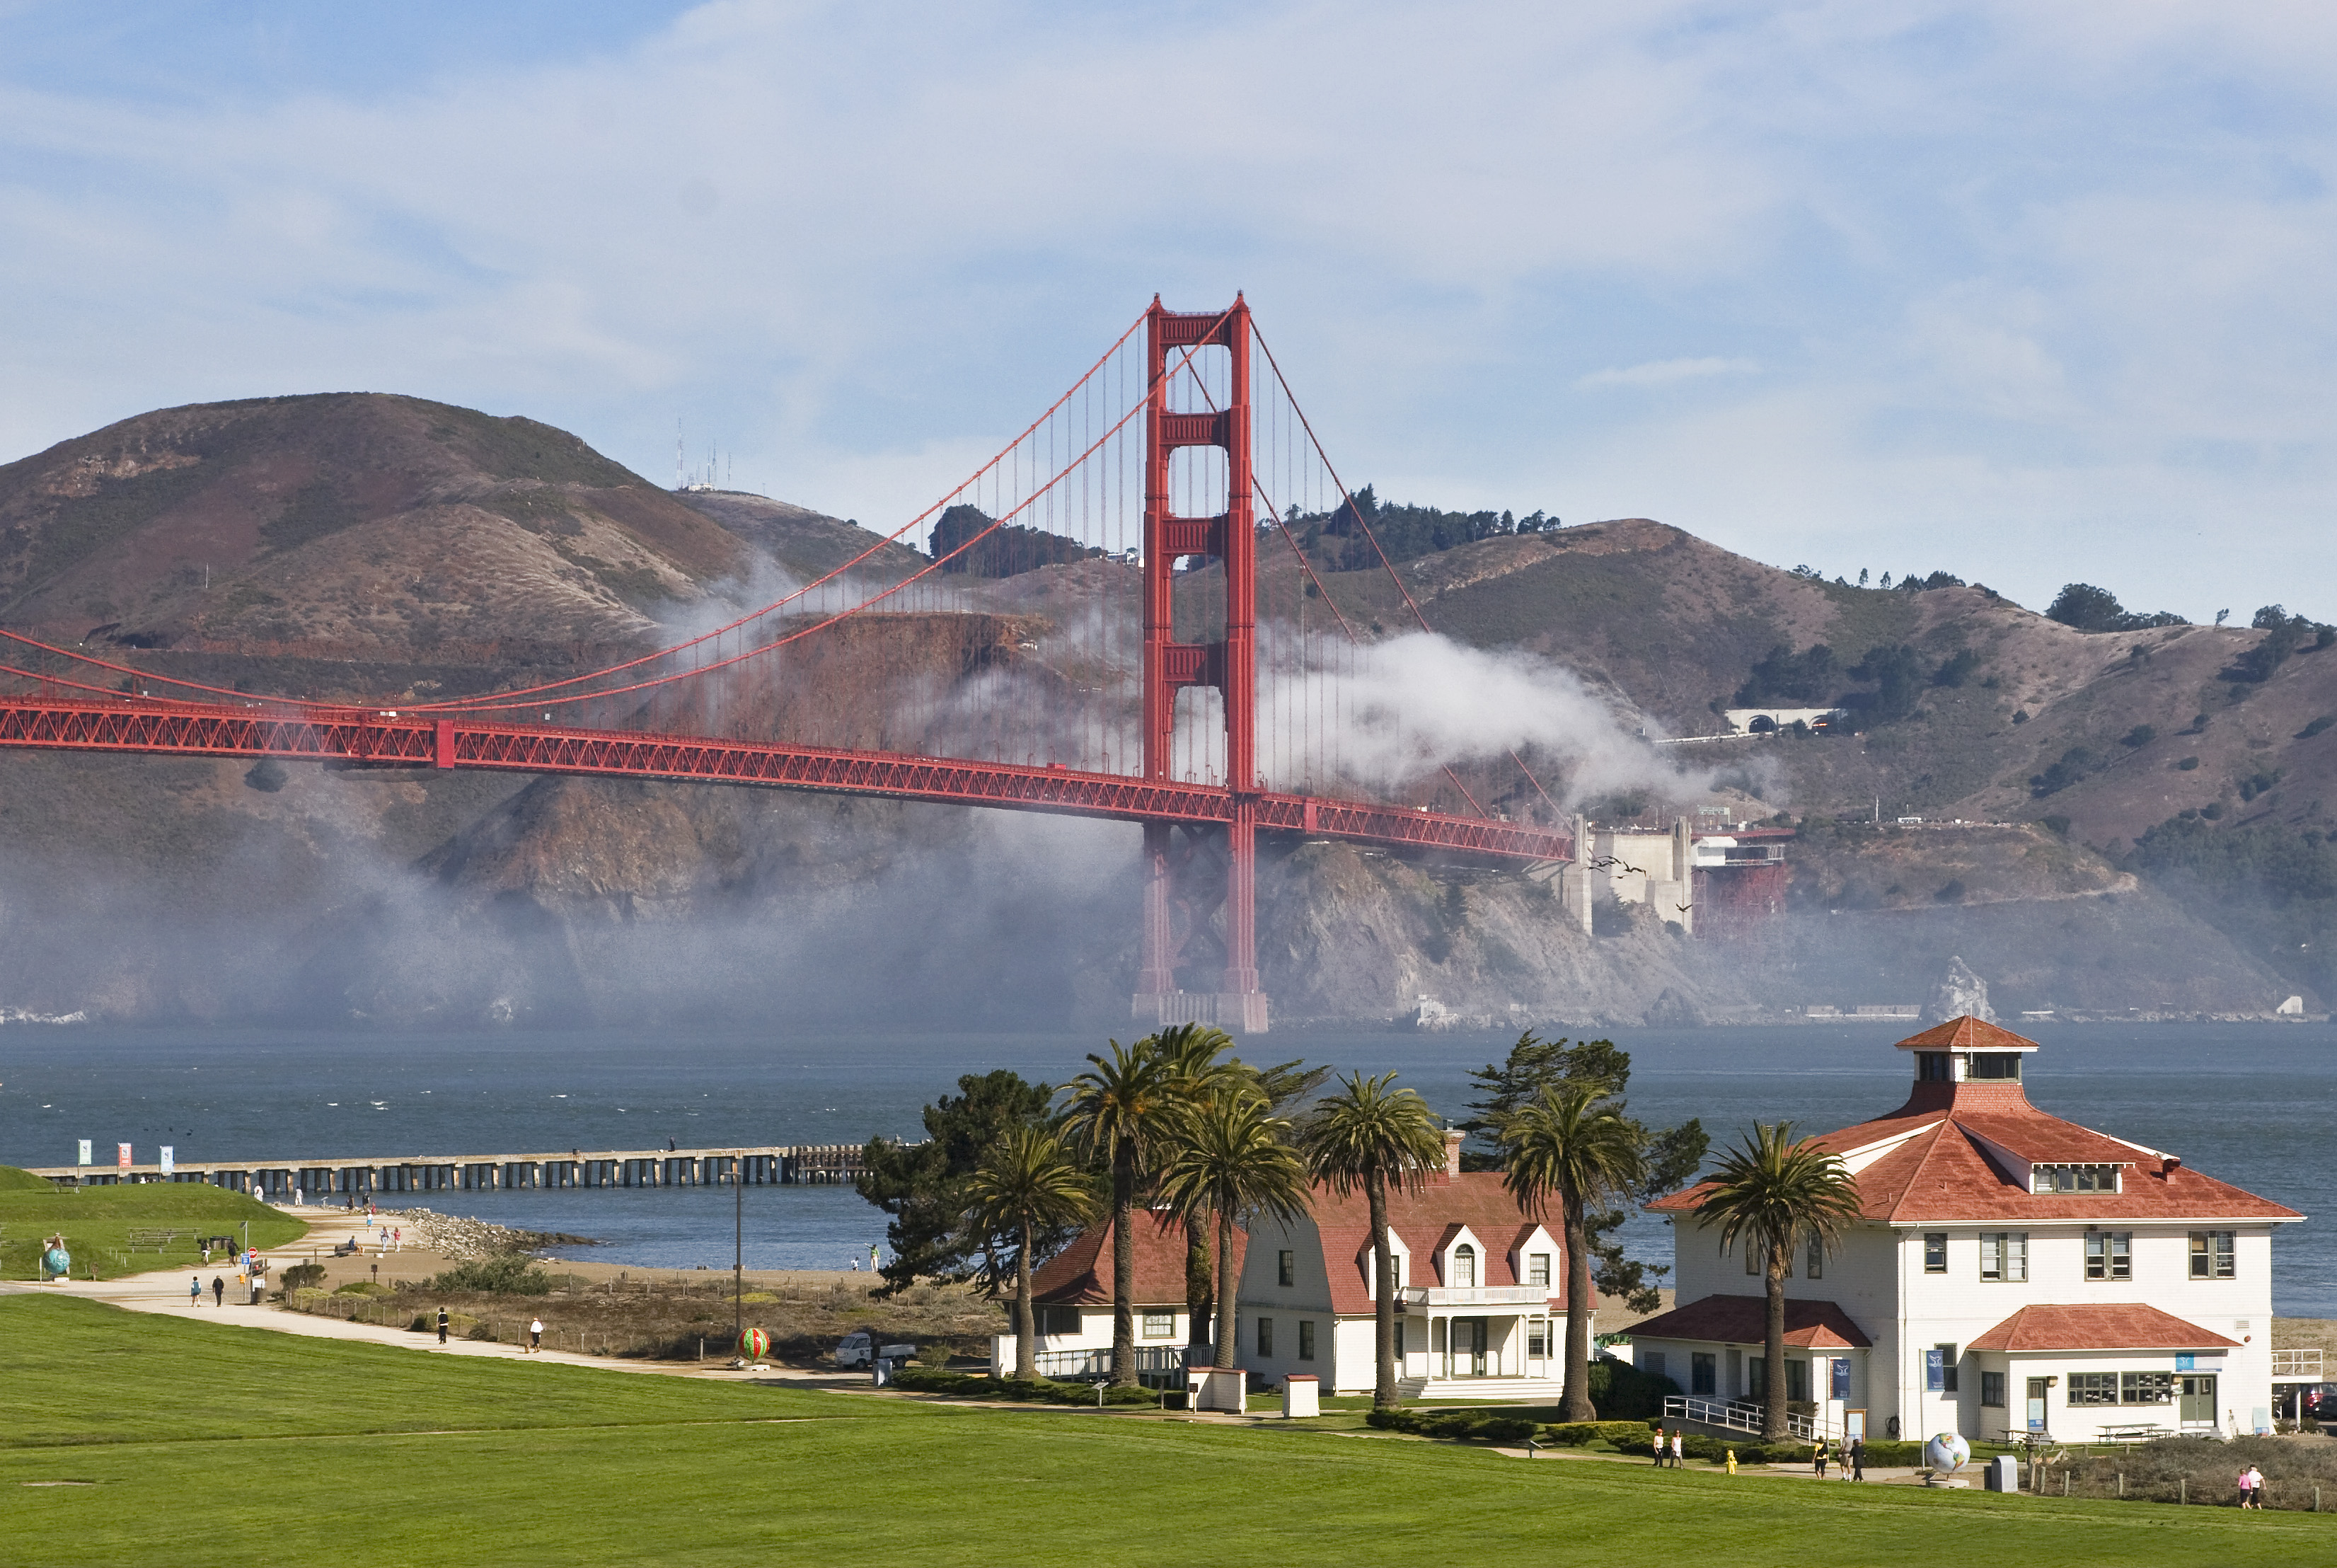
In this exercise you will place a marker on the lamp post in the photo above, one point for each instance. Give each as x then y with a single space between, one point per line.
738 1252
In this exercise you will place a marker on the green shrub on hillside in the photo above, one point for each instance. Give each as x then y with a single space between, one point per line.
509 1274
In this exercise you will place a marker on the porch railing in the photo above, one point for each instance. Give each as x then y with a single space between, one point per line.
1157 1366
2302 1365
1739 1416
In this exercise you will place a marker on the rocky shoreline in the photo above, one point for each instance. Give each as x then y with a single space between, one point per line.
462 1239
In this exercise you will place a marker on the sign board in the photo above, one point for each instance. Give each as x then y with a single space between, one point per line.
1935 1370
2185 1361
84 1154
1841 1379
170 1163
121 1156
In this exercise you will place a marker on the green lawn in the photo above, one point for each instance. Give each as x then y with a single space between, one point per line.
212 1443
96 1222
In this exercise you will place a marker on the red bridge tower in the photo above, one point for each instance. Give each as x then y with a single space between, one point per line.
1229 664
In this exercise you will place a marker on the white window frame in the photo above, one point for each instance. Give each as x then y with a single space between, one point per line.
2004 1257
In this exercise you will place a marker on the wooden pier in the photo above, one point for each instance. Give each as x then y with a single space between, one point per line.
313 1180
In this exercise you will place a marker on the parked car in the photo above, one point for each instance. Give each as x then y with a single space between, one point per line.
2319 1401
855 1351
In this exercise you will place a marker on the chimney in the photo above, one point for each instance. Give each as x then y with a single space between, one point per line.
2167 1167
1453 1139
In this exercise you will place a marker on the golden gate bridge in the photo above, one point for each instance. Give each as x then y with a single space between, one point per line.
1205 694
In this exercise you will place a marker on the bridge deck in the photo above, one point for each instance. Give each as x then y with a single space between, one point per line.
383 737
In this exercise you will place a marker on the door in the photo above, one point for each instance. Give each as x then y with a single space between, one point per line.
1468 1342
2198 1398
2036 1404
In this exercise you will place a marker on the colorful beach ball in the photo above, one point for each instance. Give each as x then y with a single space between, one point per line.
753 1344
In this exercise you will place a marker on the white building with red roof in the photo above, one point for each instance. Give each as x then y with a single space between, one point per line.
2013 1272
1480 1286
1070 1295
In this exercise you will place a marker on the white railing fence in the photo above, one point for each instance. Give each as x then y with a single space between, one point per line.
1740 1416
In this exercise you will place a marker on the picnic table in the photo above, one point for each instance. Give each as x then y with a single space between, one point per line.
150 1238
2139 1433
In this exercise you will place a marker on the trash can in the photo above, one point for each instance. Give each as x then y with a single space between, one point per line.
2002 1474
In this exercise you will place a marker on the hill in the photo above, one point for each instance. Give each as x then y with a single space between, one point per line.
372 544
344 526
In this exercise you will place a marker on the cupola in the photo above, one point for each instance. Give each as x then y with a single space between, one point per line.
1966 1054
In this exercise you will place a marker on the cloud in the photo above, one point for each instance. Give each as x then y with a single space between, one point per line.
1664 372
2071 259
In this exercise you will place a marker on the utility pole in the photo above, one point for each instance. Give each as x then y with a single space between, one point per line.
738 1252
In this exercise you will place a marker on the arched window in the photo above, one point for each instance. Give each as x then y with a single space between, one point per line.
1465 1267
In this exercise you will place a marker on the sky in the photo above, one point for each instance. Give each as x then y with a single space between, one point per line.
2026 293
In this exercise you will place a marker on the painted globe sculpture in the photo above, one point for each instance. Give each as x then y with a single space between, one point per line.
1946 1453
57 1262
753 1344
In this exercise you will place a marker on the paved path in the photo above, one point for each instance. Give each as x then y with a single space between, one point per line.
166 1292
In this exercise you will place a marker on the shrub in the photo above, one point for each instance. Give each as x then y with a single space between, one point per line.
2317 726
2074 764
1951 892
1456 1426
507 1274
2141 735
1574 1434
2057 826
2188 764
1622 1392
303 1277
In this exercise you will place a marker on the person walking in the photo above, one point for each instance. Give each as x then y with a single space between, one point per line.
442 1325
1819 1456
1662 1437
1858 1458
195 1291
535 1336
218 1290
2255 1488
1679 1449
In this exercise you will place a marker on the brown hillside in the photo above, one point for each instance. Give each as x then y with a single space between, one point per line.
342 525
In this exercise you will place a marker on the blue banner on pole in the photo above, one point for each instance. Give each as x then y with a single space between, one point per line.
1841 1379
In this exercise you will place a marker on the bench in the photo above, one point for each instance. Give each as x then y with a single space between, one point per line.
150 1238
348 1248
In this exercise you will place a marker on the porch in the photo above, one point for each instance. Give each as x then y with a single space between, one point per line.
1485 1342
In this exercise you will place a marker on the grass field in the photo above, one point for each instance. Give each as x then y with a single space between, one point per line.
145 1439
96 1222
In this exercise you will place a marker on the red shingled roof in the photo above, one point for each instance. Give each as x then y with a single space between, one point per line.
1081 1272
1943 1174
1744 1320
2121 1326
1425 1221
1966 1033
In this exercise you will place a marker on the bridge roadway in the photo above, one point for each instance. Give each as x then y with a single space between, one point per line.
318 1181
386 737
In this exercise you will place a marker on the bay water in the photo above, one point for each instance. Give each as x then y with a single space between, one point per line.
2252 1105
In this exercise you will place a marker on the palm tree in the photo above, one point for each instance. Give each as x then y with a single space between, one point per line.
1572 1142
1027 1184
1369 1137
1773 1189
1123 1114
1197 1052
1234 1161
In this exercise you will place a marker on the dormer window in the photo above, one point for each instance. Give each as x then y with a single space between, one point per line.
2073 1179
1465 1267
1997 1064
